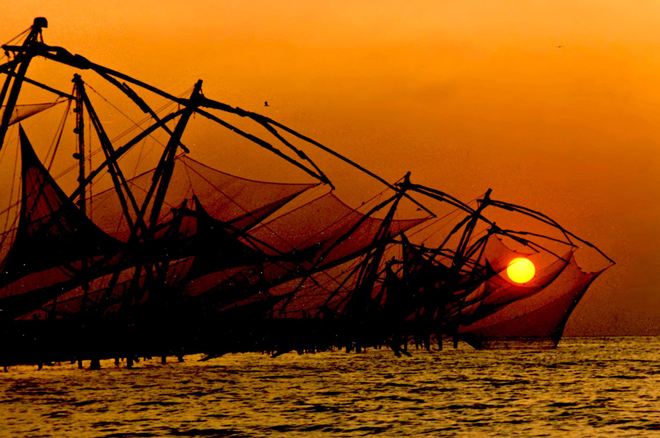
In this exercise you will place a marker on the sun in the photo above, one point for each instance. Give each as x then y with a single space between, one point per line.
521 270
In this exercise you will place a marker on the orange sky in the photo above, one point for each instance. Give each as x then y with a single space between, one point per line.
467 95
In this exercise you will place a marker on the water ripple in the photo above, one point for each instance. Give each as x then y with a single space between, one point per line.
587 387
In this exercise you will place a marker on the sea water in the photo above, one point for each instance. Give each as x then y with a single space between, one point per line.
586 387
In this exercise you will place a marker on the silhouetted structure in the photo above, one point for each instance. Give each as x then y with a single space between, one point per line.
184 258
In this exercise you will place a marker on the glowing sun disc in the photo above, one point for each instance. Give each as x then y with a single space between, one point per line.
520 270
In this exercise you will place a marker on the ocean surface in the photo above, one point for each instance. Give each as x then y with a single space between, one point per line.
595 387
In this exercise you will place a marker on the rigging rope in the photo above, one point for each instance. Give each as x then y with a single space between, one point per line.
451 213
56 143
142 121
100 149
6 54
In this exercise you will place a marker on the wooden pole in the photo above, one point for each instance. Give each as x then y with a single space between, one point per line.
25 57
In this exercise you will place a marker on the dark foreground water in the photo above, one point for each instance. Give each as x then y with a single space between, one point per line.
587 387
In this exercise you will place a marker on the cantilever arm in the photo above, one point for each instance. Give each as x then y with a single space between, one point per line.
122 150
43 86
263 144
300 153
547 220
268 123
542 236
140 103
63 56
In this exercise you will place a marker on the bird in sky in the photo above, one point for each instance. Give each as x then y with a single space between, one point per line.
266 103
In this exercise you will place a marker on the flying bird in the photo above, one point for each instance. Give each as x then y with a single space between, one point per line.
266 103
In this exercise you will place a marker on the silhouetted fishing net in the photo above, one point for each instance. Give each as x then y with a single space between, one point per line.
52 236
325 224
237 201
540 317
498 289
22 112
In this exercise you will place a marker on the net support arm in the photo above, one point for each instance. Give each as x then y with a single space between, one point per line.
263 144
119 152
115 171
43 86
163 173
24 57
63 56
547 220
128 91
269 124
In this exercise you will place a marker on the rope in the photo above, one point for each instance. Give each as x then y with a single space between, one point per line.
6 54
56 143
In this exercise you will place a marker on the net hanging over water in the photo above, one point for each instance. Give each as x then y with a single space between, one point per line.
187 258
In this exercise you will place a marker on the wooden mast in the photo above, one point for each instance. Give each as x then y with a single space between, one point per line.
165 168
24 59
80 155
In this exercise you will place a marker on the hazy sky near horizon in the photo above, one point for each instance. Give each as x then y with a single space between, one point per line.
553 105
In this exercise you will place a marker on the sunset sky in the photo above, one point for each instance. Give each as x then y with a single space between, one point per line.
553 105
